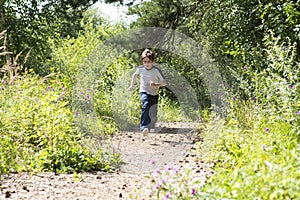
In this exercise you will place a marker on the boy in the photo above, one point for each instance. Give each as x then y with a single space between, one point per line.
151 80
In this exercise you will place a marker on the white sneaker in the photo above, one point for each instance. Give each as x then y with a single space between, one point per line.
145 131
152 130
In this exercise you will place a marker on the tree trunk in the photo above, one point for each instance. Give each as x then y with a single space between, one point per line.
2 15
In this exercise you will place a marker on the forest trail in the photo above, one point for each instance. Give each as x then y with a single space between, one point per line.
141 154
171 144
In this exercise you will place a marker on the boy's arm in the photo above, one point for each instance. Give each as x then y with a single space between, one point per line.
133 80
160 84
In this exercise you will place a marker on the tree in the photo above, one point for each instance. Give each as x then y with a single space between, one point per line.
30 24
238 31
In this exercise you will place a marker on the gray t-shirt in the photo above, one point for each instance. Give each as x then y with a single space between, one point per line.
154 74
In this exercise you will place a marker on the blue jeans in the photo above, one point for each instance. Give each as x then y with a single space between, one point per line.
149 110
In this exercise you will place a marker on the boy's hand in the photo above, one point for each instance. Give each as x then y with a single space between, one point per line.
130 88
154 85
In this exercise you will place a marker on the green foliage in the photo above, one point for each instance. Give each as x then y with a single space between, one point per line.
37 129
165 13
257 153
275 89
168 110
31 25
113 99
71 53
256 45
8 153
256 161
70 59
236 29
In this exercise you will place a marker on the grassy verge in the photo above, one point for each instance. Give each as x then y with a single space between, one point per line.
37 130
257 158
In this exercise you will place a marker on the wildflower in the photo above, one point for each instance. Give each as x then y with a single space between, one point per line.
48 88
163 180
234 98
157 170
157 186
152 162
156 173
193 192
263 147
167 195
245 67
292 87
267 129
175 171
298 112
168 168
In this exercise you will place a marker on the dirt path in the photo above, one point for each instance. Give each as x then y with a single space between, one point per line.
172 144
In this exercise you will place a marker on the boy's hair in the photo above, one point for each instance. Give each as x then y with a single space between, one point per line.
147 53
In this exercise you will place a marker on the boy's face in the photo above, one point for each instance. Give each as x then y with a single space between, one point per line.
147 63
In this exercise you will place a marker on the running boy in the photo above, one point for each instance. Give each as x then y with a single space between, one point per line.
151 80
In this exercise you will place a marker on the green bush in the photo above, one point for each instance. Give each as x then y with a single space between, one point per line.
8 153
257 155
275 89
260 162
38 131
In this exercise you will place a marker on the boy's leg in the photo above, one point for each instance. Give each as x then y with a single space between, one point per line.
153 111
145 119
